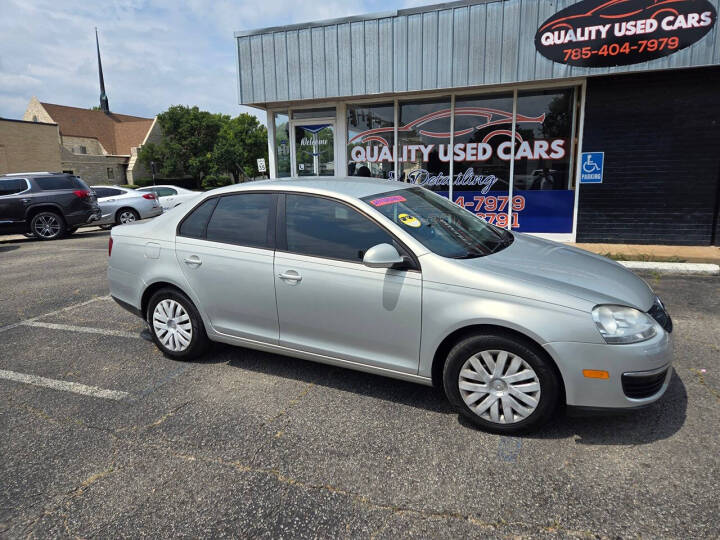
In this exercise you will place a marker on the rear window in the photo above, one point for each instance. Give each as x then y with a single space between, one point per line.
11 186
48 183
107 192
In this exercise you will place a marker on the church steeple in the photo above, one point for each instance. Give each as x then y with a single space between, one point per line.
104 105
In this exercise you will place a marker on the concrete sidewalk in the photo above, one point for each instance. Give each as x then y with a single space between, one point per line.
637 252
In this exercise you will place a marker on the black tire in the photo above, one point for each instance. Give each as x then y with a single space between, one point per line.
199 342
126 215
47 225
544 374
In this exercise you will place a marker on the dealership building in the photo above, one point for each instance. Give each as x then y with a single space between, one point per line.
589 121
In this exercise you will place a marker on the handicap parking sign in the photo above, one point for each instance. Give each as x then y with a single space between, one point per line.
591 167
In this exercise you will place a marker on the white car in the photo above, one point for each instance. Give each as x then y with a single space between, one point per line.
121 205
170 196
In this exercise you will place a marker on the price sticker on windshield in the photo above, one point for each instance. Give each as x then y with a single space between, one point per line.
388 200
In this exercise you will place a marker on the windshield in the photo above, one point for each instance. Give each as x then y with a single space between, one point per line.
441 226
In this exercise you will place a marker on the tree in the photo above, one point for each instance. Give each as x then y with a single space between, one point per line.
241 141
189 137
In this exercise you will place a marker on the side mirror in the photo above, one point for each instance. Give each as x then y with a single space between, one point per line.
383 256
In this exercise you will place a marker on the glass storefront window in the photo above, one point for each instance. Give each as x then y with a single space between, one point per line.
282 145
543 176
424 143
371 140
315 149
481 155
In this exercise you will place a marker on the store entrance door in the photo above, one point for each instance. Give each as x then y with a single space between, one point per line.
314 149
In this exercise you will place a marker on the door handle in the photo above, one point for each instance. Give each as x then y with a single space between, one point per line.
297 278
193 261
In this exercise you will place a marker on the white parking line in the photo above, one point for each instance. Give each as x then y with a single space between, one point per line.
66 308
66 386
86 329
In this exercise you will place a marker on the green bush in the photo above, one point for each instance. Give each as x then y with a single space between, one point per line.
130 186
145 181
212 181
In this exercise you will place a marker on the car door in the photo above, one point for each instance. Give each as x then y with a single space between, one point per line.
225 249
167 197
13 202
328 302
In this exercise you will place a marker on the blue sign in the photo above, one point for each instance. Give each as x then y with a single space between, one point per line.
543 211
591 167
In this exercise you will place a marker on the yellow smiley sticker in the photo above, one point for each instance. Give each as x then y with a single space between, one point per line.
410 221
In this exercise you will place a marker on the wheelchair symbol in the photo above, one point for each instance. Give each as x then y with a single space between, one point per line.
589 166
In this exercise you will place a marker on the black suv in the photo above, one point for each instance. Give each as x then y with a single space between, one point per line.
45 205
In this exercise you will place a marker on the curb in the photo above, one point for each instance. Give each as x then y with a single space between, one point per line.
687 269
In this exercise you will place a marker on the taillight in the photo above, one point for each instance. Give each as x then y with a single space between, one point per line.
82 193
149 196
110 242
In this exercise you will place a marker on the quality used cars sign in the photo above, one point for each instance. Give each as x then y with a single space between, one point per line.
601 33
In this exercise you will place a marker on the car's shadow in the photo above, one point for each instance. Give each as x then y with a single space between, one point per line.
91 233
656 422
6 248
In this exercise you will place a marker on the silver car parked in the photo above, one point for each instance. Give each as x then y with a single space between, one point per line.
119 206
390 278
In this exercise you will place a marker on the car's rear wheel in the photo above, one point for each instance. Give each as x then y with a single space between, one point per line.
500 383
176 326
126 215
47 225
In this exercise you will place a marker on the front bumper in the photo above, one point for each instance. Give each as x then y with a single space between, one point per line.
639 373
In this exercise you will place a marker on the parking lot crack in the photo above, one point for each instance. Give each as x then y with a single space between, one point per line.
290 405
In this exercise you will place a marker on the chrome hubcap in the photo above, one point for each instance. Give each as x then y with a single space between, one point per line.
499 386
47 226
172 325
127 217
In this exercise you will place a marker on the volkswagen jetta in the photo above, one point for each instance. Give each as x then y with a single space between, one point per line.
393 279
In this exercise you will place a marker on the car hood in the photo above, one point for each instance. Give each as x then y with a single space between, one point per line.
533 263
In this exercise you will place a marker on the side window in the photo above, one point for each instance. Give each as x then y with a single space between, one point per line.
55 182
194 224
11 186
246 219
101 193
165 192
325 228
114 192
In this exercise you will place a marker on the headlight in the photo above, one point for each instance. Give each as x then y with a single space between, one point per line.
621 324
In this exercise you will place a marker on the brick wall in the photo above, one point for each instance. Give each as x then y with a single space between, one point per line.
28 146
93 169
35 112
661 136
92 146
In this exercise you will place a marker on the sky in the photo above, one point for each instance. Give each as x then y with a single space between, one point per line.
155 53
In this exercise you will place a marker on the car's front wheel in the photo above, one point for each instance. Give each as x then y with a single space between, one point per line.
47 225
500 383
176 326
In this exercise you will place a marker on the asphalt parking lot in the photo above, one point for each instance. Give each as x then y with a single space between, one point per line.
252 444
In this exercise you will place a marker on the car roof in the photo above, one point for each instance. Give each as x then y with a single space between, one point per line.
350 186
163 185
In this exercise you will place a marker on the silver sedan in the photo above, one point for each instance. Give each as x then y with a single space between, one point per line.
119 206
392 279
